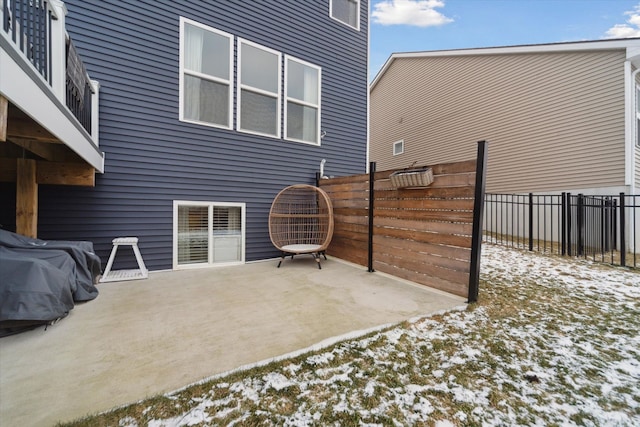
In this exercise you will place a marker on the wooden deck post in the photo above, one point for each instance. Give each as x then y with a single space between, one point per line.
4 117
26 198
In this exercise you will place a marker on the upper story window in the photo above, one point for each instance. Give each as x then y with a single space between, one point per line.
258 89
346 11
398 147
205 74
302 94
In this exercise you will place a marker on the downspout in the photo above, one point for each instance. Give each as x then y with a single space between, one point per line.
633 127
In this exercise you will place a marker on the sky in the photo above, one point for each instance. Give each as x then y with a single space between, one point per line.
426 25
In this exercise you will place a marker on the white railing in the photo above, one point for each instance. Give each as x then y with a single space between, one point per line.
35 29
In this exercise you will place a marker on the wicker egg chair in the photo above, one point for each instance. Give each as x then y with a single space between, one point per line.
301 221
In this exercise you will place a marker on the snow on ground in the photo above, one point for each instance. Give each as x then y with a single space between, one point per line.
552 341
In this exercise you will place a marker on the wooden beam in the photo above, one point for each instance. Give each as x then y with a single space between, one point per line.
26 198
46 150
4 114
58 173
28 129
61 173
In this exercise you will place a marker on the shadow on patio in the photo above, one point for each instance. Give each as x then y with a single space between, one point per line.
141 338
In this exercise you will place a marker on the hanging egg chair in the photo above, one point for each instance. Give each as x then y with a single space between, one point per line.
301 221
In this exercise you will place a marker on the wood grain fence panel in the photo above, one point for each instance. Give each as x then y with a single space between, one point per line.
458 228
350 212
419 234
348 180
453 252
353 203
459 289
385 189
424 237
426 203
448 216
350 219
419 261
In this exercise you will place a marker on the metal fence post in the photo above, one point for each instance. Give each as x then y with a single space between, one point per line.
478 213
372 178
563 226
623 226
569 223
580 225
531 221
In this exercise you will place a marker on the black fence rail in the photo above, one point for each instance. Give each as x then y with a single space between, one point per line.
600 228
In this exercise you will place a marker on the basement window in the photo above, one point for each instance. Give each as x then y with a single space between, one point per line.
207 234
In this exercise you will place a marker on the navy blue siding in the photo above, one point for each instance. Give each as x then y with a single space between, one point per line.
152 158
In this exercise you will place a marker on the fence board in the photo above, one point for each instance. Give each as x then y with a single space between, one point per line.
450 216
382 188
458 228
423 278
442 204
417 261
419 234
352 203
438 248
424 237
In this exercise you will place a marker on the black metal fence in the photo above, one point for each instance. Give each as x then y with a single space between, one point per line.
600 228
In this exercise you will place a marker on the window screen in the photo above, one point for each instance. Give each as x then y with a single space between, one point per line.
346 11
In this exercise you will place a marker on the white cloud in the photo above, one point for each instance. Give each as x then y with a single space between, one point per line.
630 29
420 13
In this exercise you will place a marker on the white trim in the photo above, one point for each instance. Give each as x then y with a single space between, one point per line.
317 106
357 27
401 143
228 82
210 205
240 86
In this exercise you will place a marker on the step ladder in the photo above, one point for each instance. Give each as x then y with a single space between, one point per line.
121 275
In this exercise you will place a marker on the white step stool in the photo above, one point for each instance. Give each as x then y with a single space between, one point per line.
119 275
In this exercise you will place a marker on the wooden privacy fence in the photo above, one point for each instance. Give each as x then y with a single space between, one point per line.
429 235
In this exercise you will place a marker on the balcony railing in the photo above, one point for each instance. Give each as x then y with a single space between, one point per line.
36 29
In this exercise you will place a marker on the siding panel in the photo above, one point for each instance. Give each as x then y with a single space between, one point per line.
555 121
152 158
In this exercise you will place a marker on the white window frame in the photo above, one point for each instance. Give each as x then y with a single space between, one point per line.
357 27
210 206
398 143
228 82
300 102
240 86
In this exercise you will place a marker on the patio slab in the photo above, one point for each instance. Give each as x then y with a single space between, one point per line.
145 337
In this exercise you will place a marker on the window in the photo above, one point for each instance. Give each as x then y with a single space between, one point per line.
205 74
207 233
302 94
398 147
258 89
346 11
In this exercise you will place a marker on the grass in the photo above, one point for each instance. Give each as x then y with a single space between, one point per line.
551 342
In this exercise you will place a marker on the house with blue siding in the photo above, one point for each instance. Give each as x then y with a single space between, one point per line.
200 113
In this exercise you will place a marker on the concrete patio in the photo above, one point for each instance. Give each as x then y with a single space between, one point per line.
142 338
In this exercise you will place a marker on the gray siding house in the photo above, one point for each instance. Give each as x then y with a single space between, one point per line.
206 110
